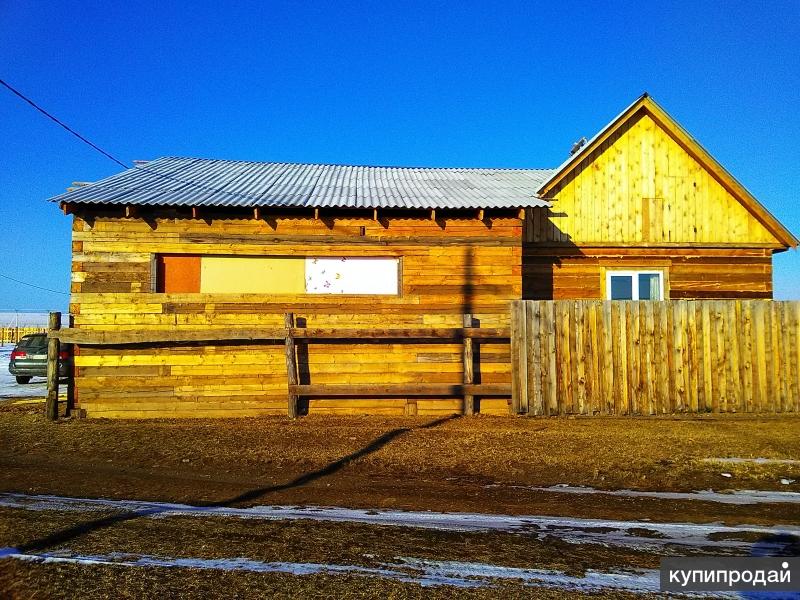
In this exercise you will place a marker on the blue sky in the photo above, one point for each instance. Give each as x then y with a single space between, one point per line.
433 84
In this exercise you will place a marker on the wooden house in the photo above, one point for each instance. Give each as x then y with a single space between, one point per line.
182 245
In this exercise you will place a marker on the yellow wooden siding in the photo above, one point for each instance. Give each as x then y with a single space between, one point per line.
252 275
699 273
641 187
448 267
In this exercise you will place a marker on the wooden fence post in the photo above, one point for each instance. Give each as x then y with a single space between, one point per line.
70 373
291 363
51 405
469 400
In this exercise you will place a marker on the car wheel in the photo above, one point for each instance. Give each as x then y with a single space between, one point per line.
23 379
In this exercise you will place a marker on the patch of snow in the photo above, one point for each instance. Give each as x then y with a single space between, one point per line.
731 497
9 388
410 570
635 581
645 535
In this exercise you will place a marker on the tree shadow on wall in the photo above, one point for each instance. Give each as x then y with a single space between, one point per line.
544 248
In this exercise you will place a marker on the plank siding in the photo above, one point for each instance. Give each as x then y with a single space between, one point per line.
448 267
689 274
642 196
642 186
665 357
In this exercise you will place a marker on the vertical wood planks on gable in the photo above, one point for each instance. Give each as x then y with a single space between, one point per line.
641 185
604 357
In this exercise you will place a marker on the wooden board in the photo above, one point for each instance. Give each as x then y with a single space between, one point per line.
448 268
677 356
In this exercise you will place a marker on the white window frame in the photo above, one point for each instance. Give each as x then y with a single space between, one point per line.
634 275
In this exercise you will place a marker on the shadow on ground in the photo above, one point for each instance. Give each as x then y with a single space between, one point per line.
70 533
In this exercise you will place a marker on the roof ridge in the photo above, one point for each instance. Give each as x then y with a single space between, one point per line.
327 164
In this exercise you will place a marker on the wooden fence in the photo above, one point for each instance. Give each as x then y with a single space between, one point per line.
11 335
292 336
601 357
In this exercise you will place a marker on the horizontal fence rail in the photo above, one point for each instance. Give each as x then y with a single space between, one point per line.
297 339
611 357
123 338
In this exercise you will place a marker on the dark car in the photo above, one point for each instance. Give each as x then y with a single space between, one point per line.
29 358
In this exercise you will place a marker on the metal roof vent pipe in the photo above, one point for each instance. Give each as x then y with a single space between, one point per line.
577 146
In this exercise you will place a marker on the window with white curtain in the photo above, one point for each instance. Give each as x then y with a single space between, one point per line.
635 285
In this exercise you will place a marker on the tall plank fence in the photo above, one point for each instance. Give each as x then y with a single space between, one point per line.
601 357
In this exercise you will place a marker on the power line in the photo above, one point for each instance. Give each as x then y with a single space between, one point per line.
62 124
38 287
55 119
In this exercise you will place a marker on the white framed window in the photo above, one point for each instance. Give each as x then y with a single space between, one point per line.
634 285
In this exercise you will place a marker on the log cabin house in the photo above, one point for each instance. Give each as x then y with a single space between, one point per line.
641 211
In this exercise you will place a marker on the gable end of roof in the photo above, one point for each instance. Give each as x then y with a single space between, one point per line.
646 103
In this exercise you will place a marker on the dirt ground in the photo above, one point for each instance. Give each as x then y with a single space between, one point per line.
479 464
89 583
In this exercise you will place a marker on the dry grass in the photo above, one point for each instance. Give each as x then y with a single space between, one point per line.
20 581
369 462
417 463
647 453
305 541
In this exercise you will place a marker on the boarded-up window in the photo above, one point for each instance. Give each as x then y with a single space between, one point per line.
277 275
178 274
251 275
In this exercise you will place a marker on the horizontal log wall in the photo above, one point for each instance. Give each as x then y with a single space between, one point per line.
602 357
697 273
449 266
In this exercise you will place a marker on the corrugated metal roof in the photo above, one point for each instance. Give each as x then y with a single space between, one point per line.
173 181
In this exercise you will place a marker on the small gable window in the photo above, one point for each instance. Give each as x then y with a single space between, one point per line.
635 285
